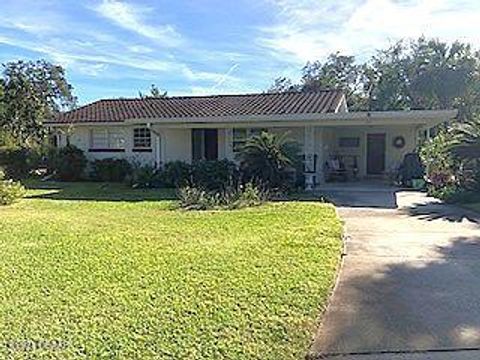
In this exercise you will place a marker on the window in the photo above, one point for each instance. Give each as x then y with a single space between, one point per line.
349 142
240 137
142 138
108 139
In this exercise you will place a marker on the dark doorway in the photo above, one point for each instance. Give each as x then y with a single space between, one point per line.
376 147
204 144
211 144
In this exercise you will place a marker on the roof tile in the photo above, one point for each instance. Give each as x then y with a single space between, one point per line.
119 110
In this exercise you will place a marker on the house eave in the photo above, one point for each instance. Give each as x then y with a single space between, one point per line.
418 117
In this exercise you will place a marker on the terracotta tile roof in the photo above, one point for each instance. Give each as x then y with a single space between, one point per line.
119 110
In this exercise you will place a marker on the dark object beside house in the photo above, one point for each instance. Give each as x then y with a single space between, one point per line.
411 169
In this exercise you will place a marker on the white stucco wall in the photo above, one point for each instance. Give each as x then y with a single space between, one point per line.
176 144
393 155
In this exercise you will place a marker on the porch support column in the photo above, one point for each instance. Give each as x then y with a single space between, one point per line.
309 151
229 144
158 146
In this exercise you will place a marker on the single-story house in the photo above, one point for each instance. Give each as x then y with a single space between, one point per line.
158 130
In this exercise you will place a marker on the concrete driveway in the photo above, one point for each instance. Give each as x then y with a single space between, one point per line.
409 287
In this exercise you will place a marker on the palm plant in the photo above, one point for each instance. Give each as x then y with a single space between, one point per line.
270 158
466 147
466 144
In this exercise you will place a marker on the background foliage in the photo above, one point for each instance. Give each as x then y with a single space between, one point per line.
420 74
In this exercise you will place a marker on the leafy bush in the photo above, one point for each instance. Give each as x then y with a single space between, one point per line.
440 166
205 174
270 159
194 198
411 168
113 170
10 191
448 193
176 174
215 174
144 177
19 162
68 163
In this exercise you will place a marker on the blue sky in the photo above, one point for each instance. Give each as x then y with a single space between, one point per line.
114 48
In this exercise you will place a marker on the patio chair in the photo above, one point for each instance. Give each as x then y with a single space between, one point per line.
335 170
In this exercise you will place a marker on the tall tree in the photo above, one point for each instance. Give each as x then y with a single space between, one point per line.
420 74
33 91
386 78
283 84
337 72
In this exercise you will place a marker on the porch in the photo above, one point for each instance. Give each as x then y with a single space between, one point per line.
343 153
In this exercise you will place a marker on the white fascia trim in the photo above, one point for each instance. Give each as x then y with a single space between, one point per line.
329 119
341 117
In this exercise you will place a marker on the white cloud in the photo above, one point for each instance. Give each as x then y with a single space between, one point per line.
140 49
93 61
309 30
132 17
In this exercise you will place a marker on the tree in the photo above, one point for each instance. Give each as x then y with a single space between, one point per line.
283 84
386 78
420 74
440 75
337 72
268 157
33 91
155 92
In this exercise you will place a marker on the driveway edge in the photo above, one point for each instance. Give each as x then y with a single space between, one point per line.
310 355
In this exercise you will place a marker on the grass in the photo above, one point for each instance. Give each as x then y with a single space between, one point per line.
113 273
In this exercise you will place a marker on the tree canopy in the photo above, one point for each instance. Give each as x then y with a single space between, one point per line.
155 92
420 74
32 92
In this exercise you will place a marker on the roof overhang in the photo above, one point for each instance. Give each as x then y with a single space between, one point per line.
367 118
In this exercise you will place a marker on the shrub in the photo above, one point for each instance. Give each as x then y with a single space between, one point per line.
194 198
10 191
68 163
440 166
113 170
19 162
144 177
448 193
176 174
215 174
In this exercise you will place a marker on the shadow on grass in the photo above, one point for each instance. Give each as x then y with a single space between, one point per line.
416 304
95 192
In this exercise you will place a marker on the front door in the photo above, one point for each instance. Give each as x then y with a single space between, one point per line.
375 154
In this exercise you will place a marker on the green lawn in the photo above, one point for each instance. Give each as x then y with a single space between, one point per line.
118 273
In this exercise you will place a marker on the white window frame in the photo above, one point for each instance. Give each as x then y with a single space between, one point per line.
146 137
